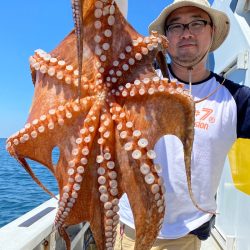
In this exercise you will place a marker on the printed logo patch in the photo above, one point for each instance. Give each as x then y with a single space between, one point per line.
203 118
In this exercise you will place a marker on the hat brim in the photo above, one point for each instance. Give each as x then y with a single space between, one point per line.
219 19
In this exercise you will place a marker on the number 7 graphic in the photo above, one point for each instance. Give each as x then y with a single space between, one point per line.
208 112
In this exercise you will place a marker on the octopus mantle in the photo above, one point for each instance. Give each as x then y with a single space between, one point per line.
105 125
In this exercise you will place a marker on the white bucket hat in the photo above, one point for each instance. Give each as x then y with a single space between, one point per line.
219 19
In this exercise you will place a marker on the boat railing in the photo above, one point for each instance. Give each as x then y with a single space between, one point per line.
34 231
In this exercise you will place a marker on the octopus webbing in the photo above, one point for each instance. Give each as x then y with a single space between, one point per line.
98 99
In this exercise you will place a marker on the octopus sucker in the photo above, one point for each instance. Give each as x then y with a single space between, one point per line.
98 99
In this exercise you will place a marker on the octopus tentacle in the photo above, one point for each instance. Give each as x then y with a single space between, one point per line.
54 67
171 89
26 166
36 128
150 183
137 144
104 15
54 117
107 180
147 86
134 52
65 236
150 87
76 165
65 73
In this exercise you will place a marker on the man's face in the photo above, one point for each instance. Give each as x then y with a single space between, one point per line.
188 48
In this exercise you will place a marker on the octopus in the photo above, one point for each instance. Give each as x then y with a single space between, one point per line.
98 99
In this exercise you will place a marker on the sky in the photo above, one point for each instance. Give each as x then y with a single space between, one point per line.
28 25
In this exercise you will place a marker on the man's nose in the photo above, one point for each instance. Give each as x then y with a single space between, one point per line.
186 33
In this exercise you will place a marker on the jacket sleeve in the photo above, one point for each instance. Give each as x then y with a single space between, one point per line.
239 155
242 98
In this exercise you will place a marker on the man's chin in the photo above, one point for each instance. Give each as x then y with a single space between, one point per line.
187 55
187 60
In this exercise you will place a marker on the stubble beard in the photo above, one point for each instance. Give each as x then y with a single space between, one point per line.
187 60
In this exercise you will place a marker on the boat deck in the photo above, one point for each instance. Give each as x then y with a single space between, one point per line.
34 231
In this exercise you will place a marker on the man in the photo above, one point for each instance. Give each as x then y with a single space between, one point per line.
194 29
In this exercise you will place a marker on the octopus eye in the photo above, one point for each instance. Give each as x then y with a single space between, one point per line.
55 154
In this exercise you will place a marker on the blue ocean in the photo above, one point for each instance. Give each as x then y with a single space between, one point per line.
18 192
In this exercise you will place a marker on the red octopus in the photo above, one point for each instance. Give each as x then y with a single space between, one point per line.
98 99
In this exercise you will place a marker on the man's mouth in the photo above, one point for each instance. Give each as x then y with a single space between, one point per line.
187 45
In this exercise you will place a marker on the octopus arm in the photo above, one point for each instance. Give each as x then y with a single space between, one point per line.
26 166
46 126
139 127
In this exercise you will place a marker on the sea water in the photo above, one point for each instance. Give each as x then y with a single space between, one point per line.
18 192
